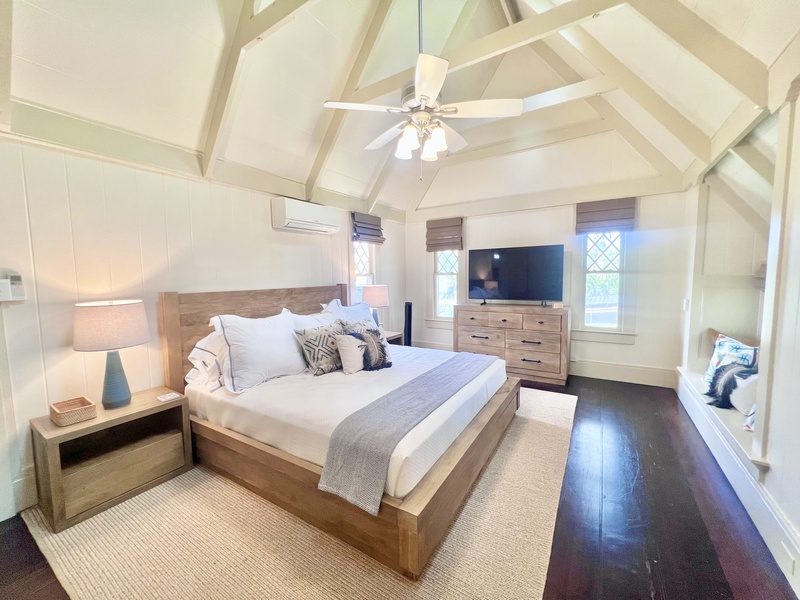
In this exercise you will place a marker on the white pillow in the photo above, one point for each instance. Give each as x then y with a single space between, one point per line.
743 397
351 351
209 358
259 349
326 317
360 311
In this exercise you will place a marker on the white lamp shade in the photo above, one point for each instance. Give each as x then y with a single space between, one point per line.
410 137
403 152
438 139
109 325
429 151
377 296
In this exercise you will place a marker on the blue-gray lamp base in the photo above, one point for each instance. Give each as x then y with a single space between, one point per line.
375 316
116 392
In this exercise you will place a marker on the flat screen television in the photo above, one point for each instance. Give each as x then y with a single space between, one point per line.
527 273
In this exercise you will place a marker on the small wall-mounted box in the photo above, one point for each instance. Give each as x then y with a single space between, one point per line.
11 288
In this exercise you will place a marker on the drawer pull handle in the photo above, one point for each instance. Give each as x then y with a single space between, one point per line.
530 360
504 320
480 337
541 322
472 318
530 342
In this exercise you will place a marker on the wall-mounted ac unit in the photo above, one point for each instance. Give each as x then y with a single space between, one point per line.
297 215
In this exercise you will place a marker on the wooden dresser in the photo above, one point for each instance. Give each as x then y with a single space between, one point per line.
533 340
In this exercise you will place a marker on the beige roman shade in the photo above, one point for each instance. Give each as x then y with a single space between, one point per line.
444 234
367 228
605 215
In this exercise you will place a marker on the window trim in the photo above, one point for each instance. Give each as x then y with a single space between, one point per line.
436 274
353 270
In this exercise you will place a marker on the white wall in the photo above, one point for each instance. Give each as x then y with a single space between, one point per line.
661 250
80 229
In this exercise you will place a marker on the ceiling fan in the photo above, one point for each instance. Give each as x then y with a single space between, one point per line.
422 125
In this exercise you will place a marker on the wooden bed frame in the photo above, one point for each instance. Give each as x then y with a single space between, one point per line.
405 532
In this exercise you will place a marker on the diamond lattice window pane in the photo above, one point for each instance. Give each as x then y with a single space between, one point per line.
447 261
361 258
603 252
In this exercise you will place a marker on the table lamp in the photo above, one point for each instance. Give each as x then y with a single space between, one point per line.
377 296
111 325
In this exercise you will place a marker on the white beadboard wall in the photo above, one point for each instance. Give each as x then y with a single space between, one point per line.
80 229
662 246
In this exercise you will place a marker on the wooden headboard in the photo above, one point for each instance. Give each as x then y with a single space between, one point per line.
183 318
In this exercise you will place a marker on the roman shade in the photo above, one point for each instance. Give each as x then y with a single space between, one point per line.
605 215
444 234
367 228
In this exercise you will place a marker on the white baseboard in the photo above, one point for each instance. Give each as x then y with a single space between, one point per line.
655 376
25 494
776 530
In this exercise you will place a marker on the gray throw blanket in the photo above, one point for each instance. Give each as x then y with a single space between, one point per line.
361 446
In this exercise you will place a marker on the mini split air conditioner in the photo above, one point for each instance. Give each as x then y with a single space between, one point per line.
297 215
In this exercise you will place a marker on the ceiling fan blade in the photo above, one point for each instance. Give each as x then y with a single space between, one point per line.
359 106
386 137
483 109
454 140
429 77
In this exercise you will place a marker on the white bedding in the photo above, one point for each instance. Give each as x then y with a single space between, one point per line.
298 414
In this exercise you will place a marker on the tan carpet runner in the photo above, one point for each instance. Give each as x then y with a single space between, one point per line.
201 536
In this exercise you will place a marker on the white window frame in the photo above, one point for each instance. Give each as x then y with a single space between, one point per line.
624 332
431 320
437 274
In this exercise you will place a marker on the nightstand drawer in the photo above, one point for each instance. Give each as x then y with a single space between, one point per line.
105 477
533 361
490 319
542 322
480 336
532 340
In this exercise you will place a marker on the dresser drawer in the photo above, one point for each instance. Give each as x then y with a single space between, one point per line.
533 340
481 336
542 322
533 361
490 319
494 351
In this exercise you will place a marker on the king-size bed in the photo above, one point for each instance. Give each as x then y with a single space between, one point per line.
273 439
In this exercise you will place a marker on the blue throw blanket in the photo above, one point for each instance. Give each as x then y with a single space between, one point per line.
360 448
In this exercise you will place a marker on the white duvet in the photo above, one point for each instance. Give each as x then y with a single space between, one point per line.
298 414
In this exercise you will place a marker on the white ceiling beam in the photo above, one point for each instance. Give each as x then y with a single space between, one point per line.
755 215
531 142
756 160
250 178
646 186
387 166
689 134
569 93
5 65
722 55
251 30
500 42
603 108
782 73
333 123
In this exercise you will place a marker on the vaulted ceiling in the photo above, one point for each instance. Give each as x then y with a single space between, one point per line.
621 98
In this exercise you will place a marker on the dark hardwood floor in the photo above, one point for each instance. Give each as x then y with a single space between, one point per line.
645 513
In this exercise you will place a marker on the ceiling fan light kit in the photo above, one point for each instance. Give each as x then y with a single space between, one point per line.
421 105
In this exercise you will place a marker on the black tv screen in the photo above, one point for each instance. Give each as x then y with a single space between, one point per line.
527 273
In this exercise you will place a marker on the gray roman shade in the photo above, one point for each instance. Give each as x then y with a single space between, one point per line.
605 215
367 228
444 234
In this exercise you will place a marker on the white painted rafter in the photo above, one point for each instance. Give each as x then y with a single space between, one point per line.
251 30
756 215
5 64
756 160
333 123
722 55
569 93
689 134
500 42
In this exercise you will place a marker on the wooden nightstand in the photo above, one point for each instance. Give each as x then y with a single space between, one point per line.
394 337
85 468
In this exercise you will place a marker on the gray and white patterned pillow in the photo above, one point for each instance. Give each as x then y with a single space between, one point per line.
320 348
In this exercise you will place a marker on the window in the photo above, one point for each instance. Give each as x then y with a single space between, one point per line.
445 284
603 264
363 262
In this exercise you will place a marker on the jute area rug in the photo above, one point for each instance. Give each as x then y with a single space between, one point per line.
201 536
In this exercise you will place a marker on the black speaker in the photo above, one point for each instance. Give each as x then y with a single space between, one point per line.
407 326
